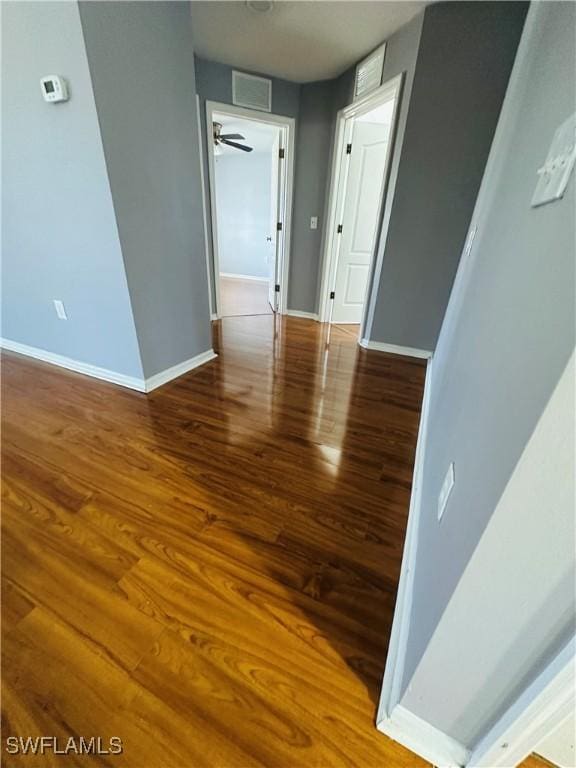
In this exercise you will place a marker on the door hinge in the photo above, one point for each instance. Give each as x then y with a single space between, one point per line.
332 295
277 288
348 149
279 227
281 153
339 230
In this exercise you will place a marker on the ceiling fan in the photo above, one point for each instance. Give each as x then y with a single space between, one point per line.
224 138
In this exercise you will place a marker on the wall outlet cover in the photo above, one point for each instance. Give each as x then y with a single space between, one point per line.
445 491
555 173
470 241
60 309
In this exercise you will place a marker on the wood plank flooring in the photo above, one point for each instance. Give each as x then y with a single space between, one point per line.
535 761
208 572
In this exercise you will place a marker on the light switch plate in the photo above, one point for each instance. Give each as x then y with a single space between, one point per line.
445 491
314 222
60 309
555 172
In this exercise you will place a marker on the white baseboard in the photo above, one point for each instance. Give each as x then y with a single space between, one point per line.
244 277
424 739
394 349
396 656
547 701
298 313
153 382
104 374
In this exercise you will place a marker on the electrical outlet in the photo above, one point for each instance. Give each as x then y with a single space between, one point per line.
469 242
445 491
553 176
314 222
60 310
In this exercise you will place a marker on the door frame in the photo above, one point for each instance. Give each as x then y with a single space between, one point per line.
287 128
337 189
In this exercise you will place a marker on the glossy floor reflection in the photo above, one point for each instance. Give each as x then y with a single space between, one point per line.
209 571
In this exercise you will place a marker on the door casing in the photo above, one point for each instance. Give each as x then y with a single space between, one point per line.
287 130
339 177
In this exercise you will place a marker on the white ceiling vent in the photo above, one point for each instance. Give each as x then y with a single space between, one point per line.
369 73
251 91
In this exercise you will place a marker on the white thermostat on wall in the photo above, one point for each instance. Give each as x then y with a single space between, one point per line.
54 88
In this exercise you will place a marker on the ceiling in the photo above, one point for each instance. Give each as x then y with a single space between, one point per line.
259 136
296 40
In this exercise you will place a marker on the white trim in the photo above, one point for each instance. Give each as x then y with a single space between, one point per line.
424 739
287 126
394 349
395 659
104 374
338 178
213 317
298 313
204 206
244 277
540 707
132 382
153 382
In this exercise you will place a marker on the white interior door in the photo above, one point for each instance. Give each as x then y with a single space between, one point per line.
364 185
276 212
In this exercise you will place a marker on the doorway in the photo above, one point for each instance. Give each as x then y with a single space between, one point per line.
364 143
250 162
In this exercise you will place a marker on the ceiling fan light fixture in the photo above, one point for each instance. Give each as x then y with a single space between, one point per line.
260 6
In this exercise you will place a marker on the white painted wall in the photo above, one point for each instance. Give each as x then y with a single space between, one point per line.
243 202
558 748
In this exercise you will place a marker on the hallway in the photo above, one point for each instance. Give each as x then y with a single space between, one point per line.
209 572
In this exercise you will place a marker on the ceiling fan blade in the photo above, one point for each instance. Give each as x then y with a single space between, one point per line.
243 147
232 136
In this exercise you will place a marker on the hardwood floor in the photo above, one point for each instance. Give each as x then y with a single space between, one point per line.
350 328
535 761
208 572
243 297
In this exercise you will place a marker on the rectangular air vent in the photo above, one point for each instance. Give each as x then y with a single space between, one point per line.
251 91
369 73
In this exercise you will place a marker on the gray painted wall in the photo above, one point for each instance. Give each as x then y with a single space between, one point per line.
464 61
214 83
142 66
59 231
319 105
401 56
506 341
314 141
244 209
